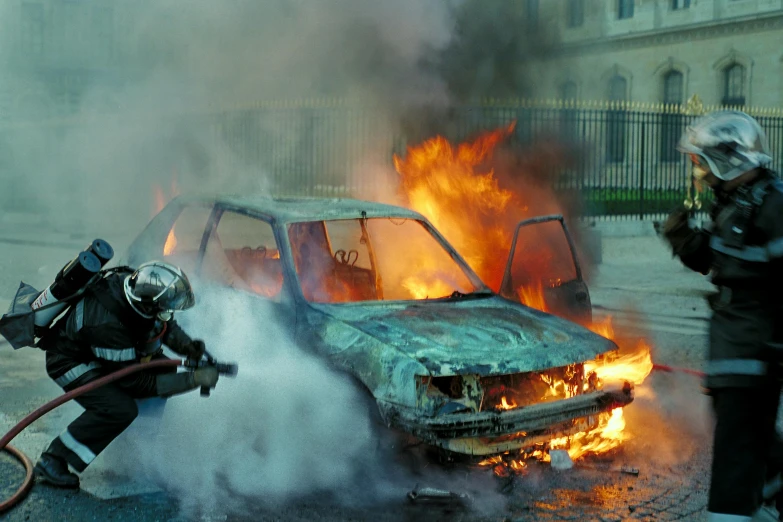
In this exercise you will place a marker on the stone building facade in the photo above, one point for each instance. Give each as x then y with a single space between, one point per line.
664 51
53 52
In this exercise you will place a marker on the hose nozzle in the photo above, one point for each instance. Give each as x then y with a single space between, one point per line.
227 369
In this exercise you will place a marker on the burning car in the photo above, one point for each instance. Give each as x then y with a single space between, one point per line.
379 293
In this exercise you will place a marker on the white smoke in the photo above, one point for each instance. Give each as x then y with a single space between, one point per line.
286 426
175 69
674 408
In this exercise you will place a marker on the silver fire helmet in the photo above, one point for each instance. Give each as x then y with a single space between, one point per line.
729 142
159 288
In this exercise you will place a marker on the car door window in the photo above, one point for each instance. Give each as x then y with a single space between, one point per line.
183 240
242 253
543 270
542 256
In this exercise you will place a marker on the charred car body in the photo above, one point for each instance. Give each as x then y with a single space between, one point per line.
380 294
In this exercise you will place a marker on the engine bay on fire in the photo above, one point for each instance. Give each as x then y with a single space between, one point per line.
443 395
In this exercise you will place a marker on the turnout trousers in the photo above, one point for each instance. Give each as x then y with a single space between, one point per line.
109 410
746 450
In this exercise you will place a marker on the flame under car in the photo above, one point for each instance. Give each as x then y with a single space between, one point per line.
379 293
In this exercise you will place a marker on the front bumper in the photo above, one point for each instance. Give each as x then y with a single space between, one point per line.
488 433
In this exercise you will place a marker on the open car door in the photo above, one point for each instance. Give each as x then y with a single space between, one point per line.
543 270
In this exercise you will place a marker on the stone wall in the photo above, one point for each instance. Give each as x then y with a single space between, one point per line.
699 41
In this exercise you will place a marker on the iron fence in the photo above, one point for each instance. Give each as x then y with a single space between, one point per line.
628 167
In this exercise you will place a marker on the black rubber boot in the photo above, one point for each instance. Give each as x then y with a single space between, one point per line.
55 471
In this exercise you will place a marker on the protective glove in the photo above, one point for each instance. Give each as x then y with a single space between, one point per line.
676 229
676 220
206 376
168 384
194 349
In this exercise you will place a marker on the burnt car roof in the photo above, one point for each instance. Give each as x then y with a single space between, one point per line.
294 209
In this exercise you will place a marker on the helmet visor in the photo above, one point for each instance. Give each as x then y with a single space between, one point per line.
177 296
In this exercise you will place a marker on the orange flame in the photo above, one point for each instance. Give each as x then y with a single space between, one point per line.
454 187
533 296
159 198
171 243
448 185
161 201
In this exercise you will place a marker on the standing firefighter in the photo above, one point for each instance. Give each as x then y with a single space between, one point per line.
124 318
742 250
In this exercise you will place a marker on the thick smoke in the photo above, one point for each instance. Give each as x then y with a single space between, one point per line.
88 162
171 68
286 426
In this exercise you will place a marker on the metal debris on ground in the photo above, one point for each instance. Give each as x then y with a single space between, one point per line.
438 496
560 460
626 470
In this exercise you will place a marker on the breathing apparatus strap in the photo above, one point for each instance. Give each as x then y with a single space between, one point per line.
130 319
741 213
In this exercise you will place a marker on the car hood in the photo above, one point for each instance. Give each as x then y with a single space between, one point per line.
485 336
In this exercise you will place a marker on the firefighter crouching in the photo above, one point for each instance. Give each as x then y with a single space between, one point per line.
742 250
124 319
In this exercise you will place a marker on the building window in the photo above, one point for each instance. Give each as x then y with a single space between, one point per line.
103 25
616 121
576 13
567 91
568 116
680 4
734 85
625 8
672 87
531 12
69 88
671 123
618 88
32 28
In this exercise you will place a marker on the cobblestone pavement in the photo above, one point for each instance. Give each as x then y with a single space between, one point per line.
668 422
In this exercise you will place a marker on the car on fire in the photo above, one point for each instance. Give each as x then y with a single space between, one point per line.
379 293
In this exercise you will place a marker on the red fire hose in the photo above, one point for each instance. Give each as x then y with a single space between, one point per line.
166 363
49 406
664 368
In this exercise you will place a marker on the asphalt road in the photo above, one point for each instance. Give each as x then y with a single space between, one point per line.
668 424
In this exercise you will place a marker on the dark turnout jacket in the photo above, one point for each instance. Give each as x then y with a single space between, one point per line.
742 250
102 333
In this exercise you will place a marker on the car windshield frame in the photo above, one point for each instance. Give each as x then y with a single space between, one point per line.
480 289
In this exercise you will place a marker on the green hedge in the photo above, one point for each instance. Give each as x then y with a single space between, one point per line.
623 201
